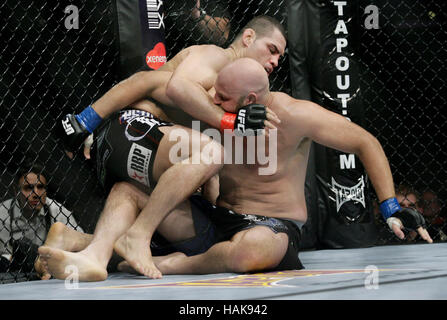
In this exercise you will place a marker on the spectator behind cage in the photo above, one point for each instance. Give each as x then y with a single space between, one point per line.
408 197
431 210
196 22
26 219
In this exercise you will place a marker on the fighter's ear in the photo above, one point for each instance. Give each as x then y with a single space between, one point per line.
252 97
248 37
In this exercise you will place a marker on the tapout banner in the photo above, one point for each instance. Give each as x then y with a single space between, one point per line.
324 69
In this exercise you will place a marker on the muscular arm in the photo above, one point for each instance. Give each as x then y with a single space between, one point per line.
134 88
190 82
336 132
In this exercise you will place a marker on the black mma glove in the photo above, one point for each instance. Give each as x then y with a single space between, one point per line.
76 128
411 218
248 120
73 133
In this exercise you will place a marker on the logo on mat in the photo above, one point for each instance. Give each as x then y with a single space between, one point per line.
345 194
156 57
257 280
138 164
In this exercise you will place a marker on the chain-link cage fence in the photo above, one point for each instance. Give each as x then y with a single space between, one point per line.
51 64
404 86
219 24
54 63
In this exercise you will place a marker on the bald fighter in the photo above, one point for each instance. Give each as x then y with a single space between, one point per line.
246 198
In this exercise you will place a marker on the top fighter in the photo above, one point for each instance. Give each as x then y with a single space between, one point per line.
183 83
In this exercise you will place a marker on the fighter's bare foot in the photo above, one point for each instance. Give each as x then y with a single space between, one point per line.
61 264
124 266
161 262
136 251
167 264
55 239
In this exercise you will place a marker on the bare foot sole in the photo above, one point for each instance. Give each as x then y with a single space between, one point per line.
63 264
138 255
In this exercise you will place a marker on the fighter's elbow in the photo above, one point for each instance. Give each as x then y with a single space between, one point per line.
174 89
134 81
368 143
138 78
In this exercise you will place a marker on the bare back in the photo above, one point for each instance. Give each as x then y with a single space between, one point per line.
243 187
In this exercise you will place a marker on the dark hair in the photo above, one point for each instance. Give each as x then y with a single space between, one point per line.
405 189
26 168
263 26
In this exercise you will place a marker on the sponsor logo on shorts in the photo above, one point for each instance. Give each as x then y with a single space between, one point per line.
141 117
138 163
129 115
344 194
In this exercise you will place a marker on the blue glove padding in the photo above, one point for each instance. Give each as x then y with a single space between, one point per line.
388 207
89 119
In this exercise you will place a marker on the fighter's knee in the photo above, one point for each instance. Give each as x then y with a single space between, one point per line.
249 260
212 153
258 250
123 190
121 187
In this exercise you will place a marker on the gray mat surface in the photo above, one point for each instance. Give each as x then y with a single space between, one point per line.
403 272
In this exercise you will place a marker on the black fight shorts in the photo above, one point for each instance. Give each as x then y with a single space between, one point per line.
125 146
227 223
204 239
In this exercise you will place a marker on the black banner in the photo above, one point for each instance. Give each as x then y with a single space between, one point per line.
324 68
141 34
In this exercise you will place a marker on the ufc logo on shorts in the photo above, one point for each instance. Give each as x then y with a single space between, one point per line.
67 127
